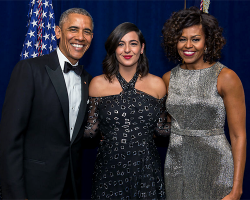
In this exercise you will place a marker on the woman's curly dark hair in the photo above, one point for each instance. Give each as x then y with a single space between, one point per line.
110 64
172 31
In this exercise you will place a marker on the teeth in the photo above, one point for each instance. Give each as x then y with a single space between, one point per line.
77 45
189 52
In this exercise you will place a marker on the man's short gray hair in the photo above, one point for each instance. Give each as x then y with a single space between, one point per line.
81 11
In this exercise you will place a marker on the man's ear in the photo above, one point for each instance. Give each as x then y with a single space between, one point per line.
58 32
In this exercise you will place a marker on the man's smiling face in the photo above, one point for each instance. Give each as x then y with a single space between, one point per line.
75 36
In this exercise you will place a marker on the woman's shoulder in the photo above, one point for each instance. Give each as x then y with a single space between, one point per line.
157 84
154 80
228 75
166 76
98 79
97 85
228 80
166 79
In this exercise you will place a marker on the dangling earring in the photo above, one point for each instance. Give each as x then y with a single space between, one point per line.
179 59
206 51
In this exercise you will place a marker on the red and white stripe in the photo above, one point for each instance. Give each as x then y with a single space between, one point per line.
40 20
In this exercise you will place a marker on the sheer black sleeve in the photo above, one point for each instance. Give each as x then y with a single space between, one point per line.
163 127
92 127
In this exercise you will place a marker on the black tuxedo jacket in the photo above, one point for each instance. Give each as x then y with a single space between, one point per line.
35 146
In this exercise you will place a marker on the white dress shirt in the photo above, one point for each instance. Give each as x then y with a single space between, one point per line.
73 84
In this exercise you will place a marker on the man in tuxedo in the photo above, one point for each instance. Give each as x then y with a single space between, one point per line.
44 115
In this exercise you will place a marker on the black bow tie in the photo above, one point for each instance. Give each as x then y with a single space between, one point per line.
77 69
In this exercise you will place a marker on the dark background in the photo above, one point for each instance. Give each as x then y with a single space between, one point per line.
149 16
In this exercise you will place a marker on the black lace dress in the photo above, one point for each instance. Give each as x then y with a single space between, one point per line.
127 164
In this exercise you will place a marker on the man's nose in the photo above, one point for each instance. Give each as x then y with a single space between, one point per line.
81 36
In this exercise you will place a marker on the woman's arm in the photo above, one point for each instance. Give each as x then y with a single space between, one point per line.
91 129
231 89
163 127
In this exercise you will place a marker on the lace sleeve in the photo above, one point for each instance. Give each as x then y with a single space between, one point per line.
91 129
163 126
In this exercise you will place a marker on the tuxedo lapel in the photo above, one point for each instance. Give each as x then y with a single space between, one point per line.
56 76
83 106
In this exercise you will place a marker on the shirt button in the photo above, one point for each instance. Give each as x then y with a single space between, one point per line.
73 108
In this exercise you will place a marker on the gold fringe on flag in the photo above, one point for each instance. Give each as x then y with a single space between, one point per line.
206 4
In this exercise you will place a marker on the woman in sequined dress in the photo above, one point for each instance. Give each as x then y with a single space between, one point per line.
127 106
200 163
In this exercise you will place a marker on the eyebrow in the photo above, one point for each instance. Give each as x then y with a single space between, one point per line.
192 36
87 29
130 41
76 27
73 27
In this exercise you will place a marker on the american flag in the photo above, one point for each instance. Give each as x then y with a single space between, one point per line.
40 38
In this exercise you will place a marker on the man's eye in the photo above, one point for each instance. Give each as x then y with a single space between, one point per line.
86 32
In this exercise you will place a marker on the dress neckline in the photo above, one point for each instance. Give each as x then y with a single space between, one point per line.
199 69
130 86
127 85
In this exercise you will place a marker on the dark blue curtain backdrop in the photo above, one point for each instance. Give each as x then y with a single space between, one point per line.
149 16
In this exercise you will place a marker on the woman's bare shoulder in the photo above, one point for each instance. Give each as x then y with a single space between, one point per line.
166 77
97 85
228 81
157 84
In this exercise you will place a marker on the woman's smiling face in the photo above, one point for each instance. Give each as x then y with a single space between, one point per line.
129 50
191 44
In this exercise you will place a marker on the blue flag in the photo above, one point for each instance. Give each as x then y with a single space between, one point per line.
40 38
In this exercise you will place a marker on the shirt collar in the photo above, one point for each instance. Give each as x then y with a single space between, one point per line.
62 58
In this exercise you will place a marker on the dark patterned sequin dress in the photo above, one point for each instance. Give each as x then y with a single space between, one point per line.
127 164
